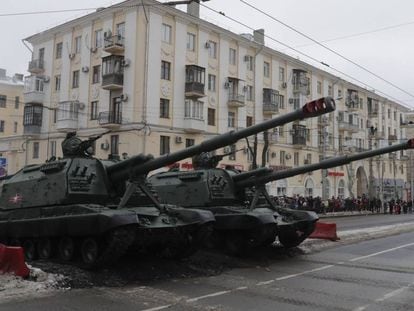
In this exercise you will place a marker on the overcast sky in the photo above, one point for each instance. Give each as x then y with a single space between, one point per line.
388 52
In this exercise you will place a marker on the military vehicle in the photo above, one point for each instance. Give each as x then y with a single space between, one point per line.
245 213
99 208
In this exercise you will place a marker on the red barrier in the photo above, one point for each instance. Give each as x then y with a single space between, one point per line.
325 231
12 261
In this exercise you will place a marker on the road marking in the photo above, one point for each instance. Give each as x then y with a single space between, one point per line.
304 272
158 308
216 294
264 283
382 252
386 296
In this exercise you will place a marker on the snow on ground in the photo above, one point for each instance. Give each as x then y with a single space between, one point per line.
38 283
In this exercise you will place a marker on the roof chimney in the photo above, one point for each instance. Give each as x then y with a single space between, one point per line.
193 8
258 36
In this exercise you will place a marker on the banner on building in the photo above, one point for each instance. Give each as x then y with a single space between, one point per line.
3 167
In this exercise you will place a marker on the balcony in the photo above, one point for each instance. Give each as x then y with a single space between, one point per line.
112 73
36 66
110 119
33 89
194 125
323 121
67 116
392 138
236 100
32 118
348 122
299 134
300 82
405 124
352 105
114 44
372 113
350 127
270 101
194 81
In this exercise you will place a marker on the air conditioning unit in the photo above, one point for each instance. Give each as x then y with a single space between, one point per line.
226 85
104 146
227 149
124 97
81 106
85 69
291 101
273 155
46 79
93 50
207 45
125 62
284 85
245 88
178 139
108 34
288 156
72 55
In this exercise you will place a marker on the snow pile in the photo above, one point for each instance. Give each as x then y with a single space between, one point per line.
38 283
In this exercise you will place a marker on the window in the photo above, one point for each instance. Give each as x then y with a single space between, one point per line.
98 38
281 102
249 61
249 121
232 156
15 127
281 74
120 31
32 114
329 90
78 44
189 142
114 144
53 148
266 69
232 56
281 131
94 110
166 33
319 87
395 115
211 117
3 100
55 113
341 189
164 144
212 51
75 79
2 124
164 108
165 70
296 158
190 41
211 83
194 109
57 83
35 150
231 119
16 102
282 159
389 113
96 74
249 93
59 48
339 93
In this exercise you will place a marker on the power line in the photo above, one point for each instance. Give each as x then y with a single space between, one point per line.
328 48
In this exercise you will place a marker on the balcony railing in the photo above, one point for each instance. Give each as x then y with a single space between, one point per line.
32 119
194 89
114 81
352 105
372 113
392 137
270 108
194 125
36 66
236 100
114 44
348 126
110 118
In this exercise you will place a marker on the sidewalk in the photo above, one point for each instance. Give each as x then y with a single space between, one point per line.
345 214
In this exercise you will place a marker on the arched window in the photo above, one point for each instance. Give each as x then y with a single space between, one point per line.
309 185
341 189
327 186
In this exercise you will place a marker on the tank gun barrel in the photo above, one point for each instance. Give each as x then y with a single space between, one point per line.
134 166
249 181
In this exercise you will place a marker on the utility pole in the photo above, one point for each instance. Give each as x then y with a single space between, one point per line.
372 131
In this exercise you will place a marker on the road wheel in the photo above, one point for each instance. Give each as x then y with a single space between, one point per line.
29 247
66 249
89 252
44 248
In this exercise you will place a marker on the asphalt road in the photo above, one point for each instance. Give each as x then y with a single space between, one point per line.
369 275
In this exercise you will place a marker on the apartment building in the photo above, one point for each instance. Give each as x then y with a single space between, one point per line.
11 123
155 80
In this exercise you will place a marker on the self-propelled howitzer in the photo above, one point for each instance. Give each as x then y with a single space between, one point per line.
237 225
293 222
99 208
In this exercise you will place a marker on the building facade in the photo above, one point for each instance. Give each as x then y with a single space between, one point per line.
155 80
11 123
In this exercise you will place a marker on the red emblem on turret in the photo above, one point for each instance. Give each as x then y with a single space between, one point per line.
16 199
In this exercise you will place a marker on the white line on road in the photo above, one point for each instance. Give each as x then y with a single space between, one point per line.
381 252
264 283
158 308
216 294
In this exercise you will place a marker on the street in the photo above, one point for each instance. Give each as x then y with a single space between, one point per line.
375 274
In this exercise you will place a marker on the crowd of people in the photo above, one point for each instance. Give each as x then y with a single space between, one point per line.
336 204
